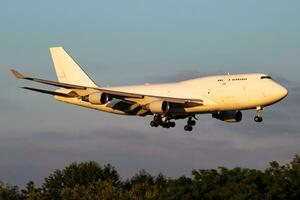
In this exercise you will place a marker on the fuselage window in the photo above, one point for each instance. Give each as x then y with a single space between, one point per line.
266 77
239 79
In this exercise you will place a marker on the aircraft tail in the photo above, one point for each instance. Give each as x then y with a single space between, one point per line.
67 70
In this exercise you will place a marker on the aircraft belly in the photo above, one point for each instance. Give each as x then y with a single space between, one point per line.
237 99
241 99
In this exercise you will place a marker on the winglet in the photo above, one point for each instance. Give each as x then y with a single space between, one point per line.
17 74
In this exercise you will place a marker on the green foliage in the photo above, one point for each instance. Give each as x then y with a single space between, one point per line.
236 183
143 186
75 175
31 192
102 190
90 181
10 192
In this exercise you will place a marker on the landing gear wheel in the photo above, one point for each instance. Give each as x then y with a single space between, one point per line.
156 118
166 125
192 122
153 124
188 128
258 119
172 124
258 116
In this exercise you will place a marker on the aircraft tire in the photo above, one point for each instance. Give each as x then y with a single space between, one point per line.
153 124
192 122
172 124
188 128
258 119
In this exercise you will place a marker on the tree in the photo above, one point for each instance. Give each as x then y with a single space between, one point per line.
8 192
180 188
31 192
91 181
75 175
99 190
294 178
142 186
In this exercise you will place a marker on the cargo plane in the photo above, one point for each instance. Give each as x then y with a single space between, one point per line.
222 96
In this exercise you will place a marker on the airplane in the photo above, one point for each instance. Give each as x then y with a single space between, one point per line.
222 96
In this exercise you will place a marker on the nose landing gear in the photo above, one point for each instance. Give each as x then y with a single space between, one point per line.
258 116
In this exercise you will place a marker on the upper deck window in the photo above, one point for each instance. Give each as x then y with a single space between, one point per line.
266 77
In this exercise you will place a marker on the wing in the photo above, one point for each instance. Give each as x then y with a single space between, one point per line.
72 86
56 93
130 97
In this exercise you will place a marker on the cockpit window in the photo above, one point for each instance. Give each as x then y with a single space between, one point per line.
266 77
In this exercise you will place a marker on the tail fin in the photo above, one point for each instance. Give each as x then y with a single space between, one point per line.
67 70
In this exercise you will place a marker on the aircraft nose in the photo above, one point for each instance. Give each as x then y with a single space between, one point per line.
282 92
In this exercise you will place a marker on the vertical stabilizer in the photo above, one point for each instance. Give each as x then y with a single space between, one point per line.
67 70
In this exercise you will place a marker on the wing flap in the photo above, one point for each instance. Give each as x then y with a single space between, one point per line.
122 105
190 102
120 94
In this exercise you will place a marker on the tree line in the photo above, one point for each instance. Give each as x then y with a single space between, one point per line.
92 181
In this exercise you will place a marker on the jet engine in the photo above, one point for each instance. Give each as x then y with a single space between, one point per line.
159 107
96 98
228 116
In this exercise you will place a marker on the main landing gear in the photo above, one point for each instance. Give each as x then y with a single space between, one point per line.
165 122
190 124
258 116
162 121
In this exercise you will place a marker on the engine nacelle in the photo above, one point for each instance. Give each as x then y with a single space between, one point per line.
96 98
228 116
159 107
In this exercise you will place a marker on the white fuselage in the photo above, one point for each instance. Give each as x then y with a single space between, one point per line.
219 93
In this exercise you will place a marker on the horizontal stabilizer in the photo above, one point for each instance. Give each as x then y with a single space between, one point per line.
53 83
72 94
71 86
17 74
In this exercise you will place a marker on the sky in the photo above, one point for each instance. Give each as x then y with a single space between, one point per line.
135 42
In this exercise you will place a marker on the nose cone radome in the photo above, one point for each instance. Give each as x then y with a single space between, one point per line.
281 92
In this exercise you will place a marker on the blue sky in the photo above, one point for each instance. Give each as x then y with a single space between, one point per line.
133 42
